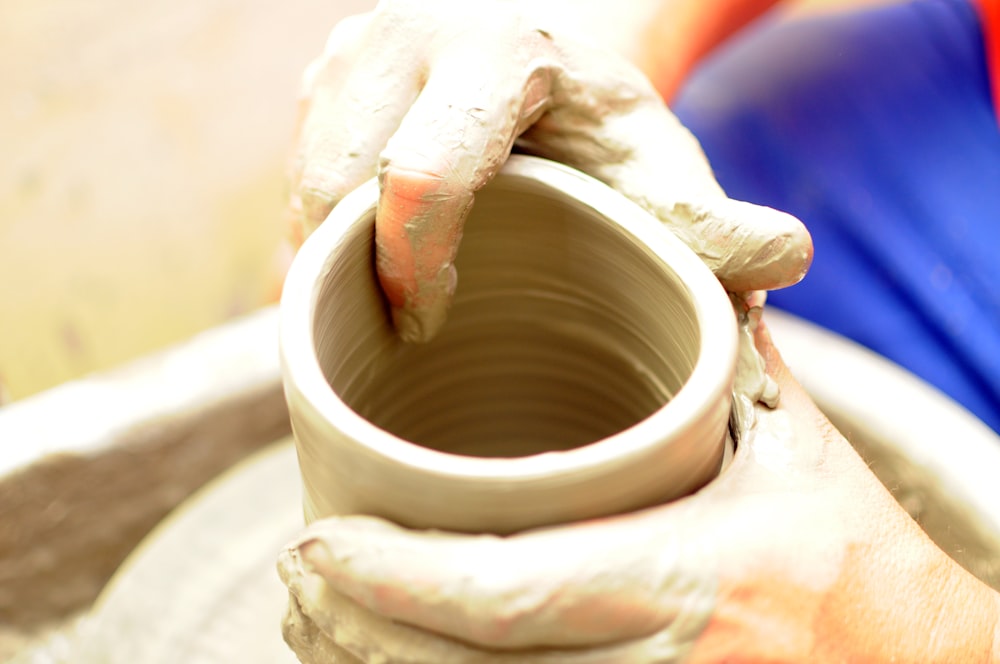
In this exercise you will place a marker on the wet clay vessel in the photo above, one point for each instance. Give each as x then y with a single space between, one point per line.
585 368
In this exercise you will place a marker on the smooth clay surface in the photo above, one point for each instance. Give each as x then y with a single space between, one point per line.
565 352
552 342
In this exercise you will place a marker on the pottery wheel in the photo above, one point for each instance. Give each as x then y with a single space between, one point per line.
202 588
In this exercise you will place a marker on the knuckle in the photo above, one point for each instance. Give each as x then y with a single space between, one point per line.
319 190
320 183
316 204
411 171
395 161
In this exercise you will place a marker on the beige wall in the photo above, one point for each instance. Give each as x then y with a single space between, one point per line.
141 179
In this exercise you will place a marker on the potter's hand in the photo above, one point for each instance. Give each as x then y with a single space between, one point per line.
796 553
432 94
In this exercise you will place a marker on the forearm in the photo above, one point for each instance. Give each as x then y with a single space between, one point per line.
682 32
897 598
995 657
924 608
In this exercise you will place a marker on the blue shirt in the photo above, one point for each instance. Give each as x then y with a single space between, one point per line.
877 129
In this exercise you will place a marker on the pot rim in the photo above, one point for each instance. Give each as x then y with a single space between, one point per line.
710 379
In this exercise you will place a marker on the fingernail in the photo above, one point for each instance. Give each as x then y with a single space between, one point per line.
316 557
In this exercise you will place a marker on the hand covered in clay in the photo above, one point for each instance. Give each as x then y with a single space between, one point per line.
432 95
795 553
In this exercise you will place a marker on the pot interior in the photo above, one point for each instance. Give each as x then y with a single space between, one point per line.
565 329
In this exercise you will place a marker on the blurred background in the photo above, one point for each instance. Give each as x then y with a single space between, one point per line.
142 178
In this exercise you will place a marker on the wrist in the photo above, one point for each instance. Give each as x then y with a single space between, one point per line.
920 605
995 655
893 597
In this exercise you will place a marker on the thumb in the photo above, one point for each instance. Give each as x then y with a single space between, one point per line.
748 247
594 583
638 147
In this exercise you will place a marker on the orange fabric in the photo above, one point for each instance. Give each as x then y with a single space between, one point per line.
989 13
682 32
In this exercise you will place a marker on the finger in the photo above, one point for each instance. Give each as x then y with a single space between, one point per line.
360 93
310 644
639 148
418 227
323 620
748 247
452 141
597 583
336 630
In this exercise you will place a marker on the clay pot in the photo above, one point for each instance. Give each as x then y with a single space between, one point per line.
585 368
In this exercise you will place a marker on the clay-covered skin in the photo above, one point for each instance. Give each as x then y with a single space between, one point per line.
432 96
585 342
563 613
751 385
794 554
585 368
